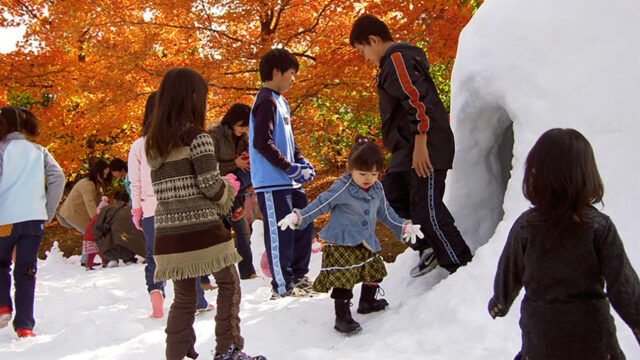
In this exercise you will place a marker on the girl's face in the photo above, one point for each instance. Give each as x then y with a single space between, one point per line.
364 179
239 130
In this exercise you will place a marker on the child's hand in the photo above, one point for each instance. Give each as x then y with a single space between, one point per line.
496 309
233 180
300 173
290 221
410 232
136 217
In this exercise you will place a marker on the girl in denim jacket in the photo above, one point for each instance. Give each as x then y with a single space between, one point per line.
356 201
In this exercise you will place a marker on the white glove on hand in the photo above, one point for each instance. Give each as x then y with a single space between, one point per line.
290 221
410 232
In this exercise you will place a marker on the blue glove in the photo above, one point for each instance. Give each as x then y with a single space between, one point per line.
304 161
300 173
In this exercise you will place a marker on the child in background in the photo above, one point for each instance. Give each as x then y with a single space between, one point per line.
89 245
356 201
25 205
190 238
563 251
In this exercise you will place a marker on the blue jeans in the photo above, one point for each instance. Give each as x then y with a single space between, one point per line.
25 237
202 302
150 268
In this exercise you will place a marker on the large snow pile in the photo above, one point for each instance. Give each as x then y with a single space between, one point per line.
522 67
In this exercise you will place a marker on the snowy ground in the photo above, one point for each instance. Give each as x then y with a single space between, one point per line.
104 314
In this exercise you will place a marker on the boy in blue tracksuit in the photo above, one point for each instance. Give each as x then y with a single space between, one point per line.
278 169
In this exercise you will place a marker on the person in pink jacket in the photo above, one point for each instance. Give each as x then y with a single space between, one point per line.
143 206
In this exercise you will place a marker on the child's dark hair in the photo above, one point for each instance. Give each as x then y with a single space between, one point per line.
17 119
365 26
96 172
148 110
118 165
561 178
238 114
365 155
121 195
279 59
181 102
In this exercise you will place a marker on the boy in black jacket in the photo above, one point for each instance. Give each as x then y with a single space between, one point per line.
416 130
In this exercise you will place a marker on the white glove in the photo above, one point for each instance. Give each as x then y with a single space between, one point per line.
410 232
290 221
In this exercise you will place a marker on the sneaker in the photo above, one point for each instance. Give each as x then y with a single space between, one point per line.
209 307
235 354
5 315
89 268
112 263
23 333
276 295
428 263
133 260
304 287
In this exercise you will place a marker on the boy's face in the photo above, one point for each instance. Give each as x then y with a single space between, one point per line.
283 81
373 51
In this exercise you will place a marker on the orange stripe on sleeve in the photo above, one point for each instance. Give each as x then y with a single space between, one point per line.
412 92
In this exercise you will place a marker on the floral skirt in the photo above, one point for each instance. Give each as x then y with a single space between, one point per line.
90 247
345 266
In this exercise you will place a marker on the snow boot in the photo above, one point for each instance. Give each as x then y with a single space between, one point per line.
157 303
344 321
24 333
368 302
235 354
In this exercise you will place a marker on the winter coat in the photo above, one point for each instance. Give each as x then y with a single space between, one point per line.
190 238
410 105
139 174
227 146
81 203
23 169
353 214
565 311
114 227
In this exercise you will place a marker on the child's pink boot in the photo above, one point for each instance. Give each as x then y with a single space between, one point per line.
157 302
5 316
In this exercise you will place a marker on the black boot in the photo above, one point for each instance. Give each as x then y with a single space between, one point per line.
368 302
344 321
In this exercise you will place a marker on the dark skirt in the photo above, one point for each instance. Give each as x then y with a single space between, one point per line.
345 266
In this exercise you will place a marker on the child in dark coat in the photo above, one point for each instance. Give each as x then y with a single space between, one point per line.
564 251
356 201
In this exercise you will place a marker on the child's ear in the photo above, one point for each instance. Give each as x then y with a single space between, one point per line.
374 40
275 72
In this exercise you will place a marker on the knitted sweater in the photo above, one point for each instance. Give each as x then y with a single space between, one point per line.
190 238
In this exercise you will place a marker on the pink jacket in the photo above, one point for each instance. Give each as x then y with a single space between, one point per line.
140 177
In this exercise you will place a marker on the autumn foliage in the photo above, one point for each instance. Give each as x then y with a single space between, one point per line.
86 67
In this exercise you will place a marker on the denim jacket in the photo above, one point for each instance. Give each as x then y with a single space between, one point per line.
353 214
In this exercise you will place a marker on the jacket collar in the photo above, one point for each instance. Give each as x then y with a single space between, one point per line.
357 191
15 135
394 48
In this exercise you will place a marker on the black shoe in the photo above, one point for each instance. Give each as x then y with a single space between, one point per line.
368 302
344 321
428 263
